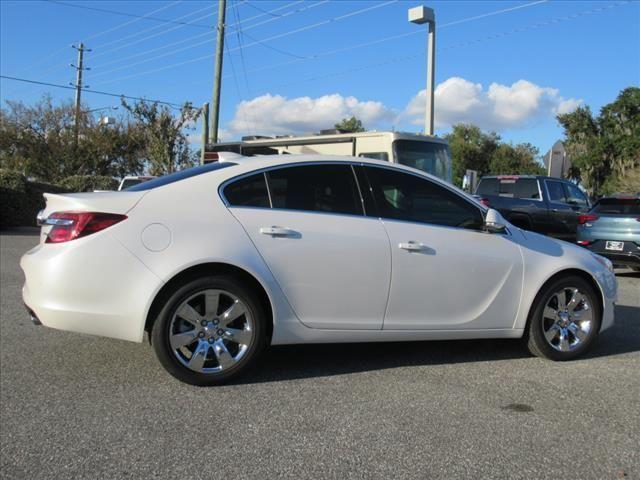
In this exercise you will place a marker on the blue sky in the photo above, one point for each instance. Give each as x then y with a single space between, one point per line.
298 66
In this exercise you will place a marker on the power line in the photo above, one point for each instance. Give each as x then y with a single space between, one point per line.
188 39
96 35
155 27
125 14
281 35
495 36
97 92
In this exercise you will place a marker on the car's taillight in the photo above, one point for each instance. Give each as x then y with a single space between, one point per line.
484 201
582 219
71 225
584 243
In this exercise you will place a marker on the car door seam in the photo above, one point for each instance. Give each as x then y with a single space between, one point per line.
386 307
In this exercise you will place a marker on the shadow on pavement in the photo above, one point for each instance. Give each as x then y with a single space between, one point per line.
20 232
309 361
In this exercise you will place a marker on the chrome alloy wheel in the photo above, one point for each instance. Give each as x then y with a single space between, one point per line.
211 331
567 319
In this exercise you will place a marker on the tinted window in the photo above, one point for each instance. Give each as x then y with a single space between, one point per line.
248 192
575 195
617 206
556 191
403 196
527 188
487 186
181 175
318 188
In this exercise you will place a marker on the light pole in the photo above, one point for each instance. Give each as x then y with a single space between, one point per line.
420 15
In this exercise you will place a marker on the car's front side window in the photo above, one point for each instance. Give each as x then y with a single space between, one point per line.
575 196
402 196
318 188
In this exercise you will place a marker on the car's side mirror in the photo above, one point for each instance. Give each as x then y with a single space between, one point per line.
494 222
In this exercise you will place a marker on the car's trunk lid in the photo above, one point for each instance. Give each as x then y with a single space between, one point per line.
104 202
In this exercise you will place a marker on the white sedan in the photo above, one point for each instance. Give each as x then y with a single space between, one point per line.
221 260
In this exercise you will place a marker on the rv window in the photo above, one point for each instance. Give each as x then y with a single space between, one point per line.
430 157
376 156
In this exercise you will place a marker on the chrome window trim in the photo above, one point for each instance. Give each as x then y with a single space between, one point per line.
266 170
353 164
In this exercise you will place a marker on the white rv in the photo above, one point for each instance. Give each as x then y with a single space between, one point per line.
427 153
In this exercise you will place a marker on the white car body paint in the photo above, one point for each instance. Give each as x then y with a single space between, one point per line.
349 283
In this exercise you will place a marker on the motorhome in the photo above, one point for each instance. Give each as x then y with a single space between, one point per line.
427 153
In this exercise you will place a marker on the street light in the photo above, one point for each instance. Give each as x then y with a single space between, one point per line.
420 15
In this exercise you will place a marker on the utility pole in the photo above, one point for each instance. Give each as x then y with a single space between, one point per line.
79 69
215 114
205 131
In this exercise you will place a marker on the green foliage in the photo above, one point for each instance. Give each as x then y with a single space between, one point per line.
165 140
352 124
515 159
20 200
605 149
89 183
471 149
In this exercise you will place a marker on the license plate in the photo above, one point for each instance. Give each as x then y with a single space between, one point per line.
619 246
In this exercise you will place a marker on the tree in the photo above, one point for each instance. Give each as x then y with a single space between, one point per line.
166 143
515 159
38 141
471 149
352 124
605 149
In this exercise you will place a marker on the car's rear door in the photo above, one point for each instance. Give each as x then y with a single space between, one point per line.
447 273
332 262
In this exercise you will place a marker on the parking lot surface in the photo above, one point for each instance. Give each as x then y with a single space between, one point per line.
75 406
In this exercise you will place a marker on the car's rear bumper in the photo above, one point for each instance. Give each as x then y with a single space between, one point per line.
629 256
91 285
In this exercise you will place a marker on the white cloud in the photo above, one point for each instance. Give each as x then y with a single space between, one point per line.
277 115
500 106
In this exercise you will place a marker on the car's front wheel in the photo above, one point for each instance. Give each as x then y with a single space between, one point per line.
209 331
565 319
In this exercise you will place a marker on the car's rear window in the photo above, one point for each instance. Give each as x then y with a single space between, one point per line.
181 175
617 206
509 187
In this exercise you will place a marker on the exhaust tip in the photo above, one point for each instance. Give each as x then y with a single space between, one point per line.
33 317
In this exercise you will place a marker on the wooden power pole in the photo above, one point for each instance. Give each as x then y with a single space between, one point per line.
79 69
215 105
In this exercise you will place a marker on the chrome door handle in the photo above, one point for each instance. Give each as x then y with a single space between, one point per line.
411 246
278 231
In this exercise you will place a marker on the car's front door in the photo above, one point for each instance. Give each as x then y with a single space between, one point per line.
331 261
447 274
563 215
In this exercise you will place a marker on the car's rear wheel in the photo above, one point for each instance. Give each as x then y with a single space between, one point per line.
565 319
209 331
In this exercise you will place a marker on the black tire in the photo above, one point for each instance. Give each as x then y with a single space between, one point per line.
534 333
160 334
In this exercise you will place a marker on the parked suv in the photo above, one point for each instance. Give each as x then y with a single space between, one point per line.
547 205
612 229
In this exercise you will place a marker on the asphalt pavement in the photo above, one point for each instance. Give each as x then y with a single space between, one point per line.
76 406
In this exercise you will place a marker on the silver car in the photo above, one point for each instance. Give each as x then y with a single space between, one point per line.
612 229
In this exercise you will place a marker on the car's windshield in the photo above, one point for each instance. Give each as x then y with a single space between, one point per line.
430 157
617 206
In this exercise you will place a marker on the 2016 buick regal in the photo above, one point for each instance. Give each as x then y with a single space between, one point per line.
219 261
